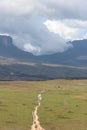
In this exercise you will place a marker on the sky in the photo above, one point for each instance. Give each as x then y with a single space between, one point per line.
43 26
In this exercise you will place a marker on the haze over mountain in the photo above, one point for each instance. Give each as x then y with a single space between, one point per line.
77 55
8 49
16 64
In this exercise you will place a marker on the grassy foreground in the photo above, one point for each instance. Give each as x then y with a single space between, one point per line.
64 104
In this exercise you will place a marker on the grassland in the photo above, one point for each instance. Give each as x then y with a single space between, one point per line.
64 104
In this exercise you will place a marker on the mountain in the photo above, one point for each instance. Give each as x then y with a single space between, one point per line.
77 55
16 64
8 49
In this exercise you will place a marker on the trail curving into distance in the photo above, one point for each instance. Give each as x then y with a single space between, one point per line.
36 124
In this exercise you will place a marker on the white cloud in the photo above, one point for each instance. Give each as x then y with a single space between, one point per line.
41 41
68 29
4 34
17 7
33 49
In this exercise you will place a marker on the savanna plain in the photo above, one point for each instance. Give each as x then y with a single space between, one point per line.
63 105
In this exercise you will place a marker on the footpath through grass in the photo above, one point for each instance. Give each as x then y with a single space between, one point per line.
64 104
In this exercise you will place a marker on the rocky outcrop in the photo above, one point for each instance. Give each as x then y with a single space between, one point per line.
5 40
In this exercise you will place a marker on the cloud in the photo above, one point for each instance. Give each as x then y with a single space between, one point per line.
68 29
62 9
43 26
38 40
33 49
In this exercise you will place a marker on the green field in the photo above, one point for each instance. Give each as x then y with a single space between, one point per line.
64 104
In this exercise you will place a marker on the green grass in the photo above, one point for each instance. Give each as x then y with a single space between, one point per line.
64 104
64 109
16 108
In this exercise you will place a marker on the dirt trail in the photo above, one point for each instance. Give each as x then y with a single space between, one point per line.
36 124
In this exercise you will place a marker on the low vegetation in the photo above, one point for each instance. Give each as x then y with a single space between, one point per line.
64 104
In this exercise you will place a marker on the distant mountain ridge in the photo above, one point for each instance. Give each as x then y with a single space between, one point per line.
73 56
16 64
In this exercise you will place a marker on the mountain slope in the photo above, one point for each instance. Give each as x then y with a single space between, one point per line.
8 49
77 55
16 64
71 56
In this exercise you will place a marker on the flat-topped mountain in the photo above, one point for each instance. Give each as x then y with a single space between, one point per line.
77 55
16 64
8 49
5 41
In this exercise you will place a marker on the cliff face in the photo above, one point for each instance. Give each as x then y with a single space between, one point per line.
8 49
6 46
5 41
